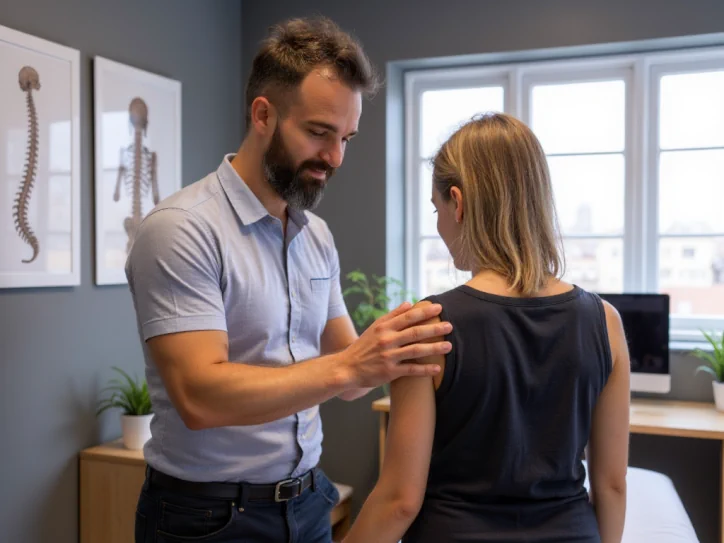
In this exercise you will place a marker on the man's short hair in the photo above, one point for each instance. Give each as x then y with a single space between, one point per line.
296 47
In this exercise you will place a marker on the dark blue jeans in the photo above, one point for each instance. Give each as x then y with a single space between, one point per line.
166 517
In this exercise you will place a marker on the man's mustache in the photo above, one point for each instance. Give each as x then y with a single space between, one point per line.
318 165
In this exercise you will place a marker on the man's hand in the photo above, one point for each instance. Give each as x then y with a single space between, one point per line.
209 391
383 352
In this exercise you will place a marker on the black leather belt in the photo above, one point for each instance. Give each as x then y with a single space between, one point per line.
277 492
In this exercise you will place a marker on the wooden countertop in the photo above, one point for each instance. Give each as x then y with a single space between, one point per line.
656 417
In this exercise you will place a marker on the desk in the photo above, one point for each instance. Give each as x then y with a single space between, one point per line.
653 417
111 477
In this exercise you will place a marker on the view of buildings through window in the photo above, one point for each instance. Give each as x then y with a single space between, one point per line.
613 170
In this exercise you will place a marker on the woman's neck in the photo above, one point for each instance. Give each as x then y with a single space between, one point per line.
496 283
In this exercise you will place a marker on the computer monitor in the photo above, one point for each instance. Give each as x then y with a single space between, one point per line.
646 324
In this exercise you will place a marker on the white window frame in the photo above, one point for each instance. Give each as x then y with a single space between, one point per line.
415 87
641 73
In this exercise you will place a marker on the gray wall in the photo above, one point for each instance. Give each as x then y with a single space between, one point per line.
355 205
57 345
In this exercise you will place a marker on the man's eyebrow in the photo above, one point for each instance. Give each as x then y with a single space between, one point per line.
330 127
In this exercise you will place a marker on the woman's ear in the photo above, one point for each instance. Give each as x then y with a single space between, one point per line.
457 196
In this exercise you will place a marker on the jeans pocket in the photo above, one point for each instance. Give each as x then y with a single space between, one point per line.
326 488
140 528
194 521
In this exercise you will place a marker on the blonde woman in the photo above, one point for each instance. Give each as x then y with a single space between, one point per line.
490 449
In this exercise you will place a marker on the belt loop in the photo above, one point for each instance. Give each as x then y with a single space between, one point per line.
314 479
243 491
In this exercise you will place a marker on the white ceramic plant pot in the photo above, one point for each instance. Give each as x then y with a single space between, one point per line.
136 430
718 395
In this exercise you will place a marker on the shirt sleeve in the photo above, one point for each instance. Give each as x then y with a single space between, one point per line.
174 274
337 307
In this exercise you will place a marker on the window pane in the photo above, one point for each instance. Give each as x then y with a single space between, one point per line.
595 264
692 110
580 117
427 216
437 271
691 192
589 193
444 111
691 271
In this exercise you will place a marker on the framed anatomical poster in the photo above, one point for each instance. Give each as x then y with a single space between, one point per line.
137 158
39 162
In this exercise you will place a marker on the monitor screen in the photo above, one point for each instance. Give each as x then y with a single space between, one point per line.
646 324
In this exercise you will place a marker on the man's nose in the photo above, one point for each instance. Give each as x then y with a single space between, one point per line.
334 155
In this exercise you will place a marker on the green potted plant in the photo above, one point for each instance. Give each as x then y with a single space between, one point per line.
372 297
131 396
714 365
375 296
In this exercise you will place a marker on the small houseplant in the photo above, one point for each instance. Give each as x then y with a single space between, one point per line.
714 365
374 297
131 396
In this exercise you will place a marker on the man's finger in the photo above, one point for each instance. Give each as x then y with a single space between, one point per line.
421 350
414 316
399 310
421 333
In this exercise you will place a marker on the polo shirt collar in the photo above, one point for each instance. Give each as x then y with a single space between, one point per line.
245 203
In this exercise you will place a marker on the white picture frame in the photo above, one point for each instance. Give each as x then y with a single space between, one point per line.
137 121
39 162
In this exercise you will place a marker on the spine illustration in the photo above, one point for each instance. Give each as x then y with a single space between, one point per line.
29 81
137 170
137 174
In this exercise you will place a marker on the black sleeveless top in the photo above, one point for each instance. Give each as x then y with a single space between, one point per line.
514 415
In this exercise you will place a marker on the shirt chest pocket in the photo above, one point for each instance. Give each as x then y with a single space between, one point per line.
318 297
316 305
320 286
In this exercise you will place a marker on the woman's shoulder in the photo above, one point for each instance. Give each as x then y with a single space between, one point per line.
425 302
444 297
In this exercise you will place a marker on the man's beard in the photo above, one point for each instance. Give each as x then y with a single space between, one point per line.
297 190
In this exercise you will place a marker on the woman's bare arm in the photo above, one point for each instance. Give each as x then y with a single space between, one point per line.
609 444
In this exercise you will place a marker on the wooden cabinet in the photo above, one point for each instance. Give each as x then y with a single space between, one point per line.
111 477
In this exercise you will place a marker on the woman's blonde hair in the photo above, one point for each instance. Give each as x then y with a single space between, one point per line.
509 224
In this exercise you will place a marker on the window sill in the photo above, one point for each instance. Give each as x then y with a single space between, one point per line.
688 346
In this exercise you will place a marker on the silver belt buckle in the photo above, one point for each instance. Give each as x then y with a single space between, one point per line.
279 485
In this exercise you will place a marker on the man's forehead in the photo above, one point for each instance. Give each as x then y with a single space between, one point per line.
322 92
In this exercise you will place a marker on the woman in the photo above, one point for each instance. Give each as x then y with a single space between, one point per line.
491 449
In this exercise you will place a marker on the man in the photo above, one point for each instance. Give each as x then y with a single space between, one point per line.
244 329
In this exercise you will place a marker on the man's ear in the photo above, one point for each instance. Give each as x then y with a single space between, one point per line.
264 116
457 196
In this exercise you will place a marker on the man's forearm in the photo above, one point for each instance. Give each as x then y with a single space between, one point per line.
354 394
237 394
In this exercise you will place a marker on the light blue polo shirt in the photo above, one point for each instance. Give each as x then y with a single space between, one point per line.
210 257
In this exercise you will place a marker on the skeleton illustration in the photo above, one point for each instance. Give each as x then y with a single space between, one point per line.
137 169
29 81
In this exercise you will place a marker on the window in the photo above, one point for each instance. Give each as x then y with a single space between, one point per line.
689 158
442 112
635 146
585 147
